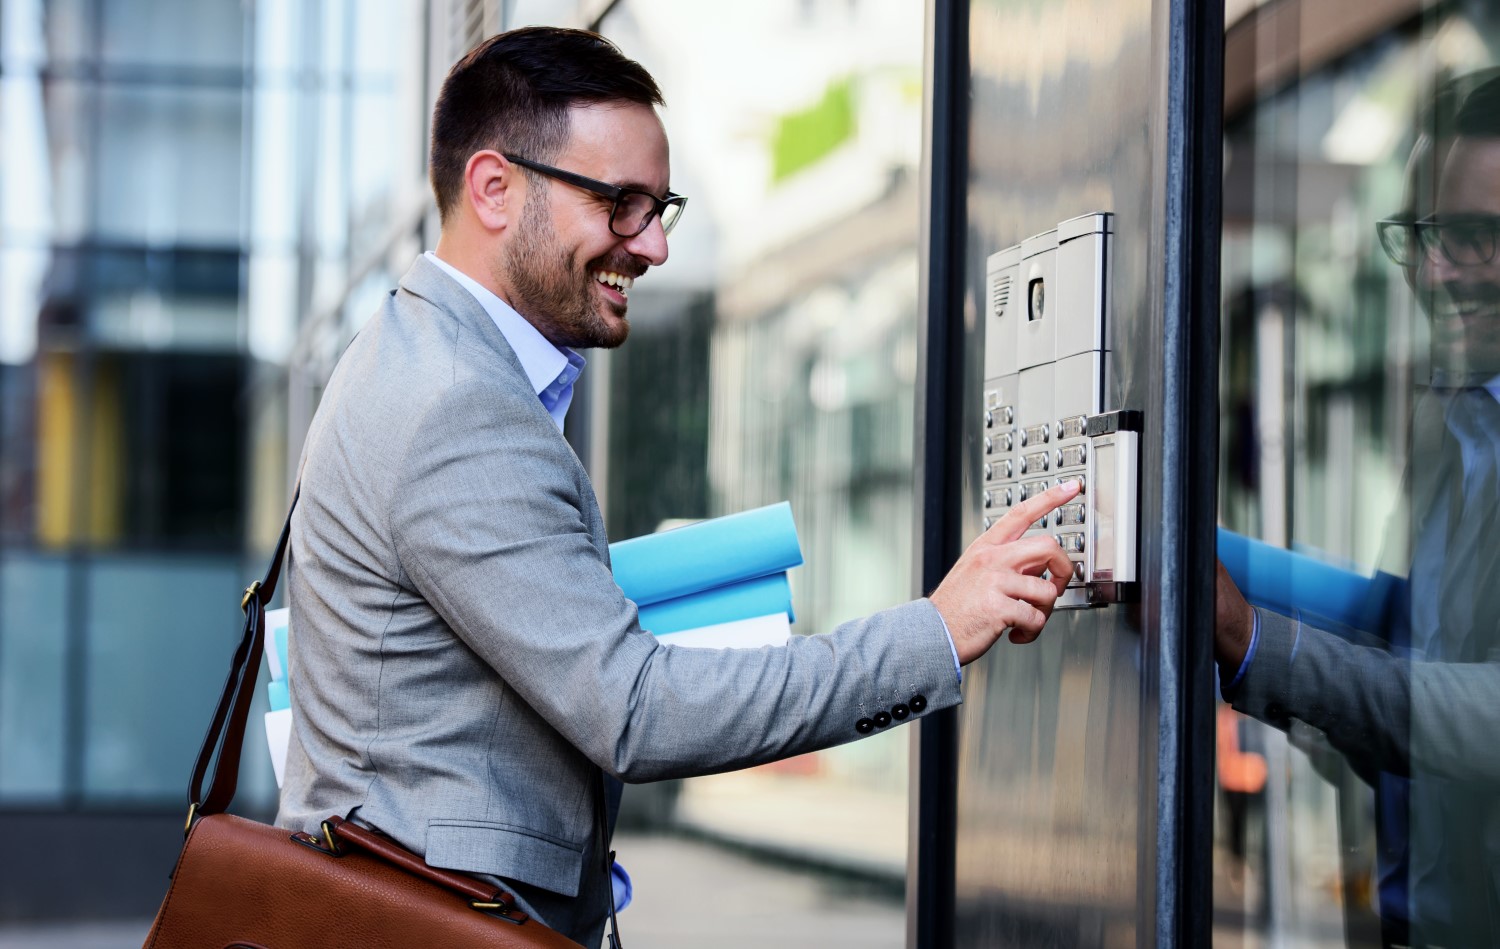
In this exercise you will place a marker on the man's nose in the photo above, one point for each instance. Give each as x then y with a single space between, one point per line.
650 244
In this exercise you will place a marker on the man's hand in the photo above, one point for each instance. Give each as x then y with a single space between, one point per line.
998 584
1234 621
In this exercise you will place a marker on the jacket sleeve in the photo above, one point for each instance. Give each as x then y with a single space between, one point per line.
489 528
1396 713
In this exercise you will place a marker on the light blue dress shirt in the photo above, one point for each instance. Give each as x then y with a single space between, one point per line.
552 371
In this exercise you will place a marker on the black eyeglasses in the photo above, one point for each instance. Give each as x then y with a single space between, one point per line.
1464 240
633 210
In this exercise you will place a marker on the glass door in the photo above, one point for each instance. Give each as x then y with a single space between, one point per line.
1355 789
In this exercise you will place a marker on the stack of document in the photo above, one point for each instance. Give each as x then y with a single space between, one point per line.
279 718
719 583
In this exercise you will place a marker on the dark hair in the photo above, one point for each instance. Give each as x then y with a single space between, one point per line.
512 93
1479 116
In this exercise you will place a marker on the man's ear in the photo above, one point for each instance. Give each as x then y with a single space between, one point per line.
492 188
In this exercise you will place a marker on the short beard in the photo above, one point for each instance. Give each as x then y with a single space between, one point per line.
547 290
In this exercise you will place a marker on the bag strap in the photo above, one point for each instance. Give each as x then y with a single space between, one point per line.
601 838
226 732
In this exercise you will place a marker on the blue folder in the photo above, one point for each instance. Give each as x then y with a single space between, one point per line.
706 555
761 596
1289 583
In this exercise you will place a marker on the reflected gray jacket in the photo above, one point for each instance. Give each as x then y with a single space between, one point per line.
461 658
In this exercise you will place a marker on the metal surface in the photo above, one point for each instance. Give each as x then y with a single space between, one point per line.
1075 802
930 856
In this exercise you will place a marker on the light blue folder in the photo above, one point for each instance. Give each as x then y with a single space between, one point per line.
1290 583
761 596
705 555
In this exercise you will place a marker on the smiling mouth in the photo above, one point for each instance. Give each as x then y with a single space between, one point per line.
619 282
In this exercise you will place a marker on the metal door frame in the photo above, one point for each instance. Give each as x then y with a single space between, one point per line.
1189 136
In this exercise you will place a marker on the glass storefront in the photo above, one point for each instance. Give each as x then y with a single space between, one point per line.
1354 432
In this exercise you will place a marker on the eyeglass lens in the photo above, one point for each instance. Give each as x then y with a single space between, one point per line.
633 212
1462 243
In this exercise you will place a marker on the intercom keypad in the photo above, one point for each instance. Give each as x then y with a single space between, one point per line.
1045 418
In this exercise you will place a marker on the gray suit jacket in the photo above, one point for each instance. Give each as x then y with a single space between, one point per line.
461 658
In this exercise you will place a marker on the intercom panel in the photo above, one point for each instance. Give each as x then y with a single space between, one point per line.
1046 373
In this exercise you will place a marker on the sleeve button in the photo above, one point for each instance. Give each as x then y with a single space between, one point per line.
899 711
864 726
882 719
918 703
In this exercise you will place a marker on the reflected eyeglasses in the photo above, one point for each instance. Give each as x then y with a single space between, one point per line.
1463 240
633 210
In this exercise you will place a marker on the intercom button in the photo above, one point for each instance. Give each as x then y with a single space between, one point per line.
989 471
882 719
918 703
989 499
1008 414
1007 470
989 445
1078 570
1007 443
1075 427
899 711
864 726
989 419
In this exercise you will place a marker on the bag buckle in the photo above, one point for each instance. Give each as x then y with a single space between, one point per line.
504 911
250 592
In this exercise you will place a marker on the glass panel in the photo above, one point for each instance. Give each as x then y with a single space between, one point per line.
168 167
1355 767
33 675
208 34
159 636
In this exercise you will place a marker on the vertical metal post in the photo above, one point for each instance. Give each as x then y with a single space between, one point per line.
933 809
1190 341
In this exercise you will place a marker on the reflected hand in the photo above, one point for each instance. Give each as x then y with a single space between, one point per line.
1233 622
998 584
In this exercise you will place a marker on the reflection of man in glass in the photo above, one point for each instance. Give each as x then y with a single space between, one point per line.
1419 716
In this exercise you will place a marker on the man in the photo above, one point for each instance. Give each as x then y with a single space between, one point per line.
463 664
1419 720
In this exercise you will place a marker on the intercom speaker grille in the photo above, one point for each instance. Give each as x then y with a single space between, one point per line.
1000 294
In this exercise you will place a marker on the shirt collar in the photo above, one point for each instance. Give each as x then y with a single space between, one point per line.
546 366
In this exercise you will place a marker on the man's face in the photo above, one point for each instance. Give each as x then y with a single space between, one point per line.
561 262
1463 300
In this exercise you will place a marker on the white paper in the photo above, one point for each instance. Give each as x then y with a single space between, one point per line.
772 630
278 733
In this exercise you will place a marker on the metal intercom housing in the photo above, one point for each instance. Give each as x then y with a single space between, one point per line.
1045 419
